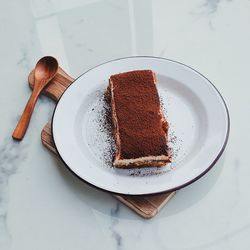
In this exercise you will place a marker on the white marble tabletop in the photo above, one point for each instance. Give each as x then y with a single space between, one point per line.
42 205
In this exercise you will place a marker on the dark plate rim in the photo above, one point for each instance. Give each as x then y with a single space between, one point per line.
164 191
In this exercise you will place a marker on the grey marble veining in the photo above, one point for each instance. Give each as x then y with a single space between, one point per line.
5 240
212 5
114 212
23 61
10 155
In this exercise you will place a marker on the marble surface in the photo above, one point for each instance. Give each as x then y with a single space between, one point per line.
42 206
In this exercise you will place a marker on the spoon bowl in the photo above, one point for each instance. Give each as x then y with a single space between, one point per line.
46 68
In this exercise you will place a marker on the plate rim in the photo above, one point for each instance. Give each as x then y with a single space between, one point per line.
220 152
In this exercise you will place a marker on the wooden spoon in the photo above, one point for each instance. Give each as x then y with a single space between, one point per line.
46 68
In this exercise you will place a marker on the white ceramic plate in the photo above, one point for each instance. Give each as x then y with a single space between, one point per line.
197 114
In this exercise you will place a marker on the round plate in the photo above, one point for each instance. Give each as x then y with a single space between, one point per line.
195 110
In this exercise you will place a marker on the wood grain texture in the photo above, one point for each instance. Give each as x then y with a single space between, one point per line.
24 120
145 206
57 85
45 70
47 139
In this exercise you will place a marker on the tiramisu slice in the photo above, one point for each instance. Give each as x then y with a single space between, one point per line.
139 126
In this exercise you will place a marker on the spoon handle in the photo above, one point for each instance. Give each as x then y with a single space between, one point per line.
23 123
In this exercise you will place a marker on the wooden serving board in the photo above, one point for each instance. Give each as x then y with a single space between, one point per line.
146 206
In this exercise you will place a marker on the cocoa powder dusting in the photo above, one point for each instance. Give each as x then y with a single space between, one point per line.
137 106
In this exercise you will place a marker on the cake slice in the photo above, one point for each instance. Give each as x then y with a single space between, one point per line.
139 126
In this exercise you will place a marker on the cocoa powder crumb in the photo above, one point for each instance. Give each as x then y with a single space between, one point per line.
137 106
